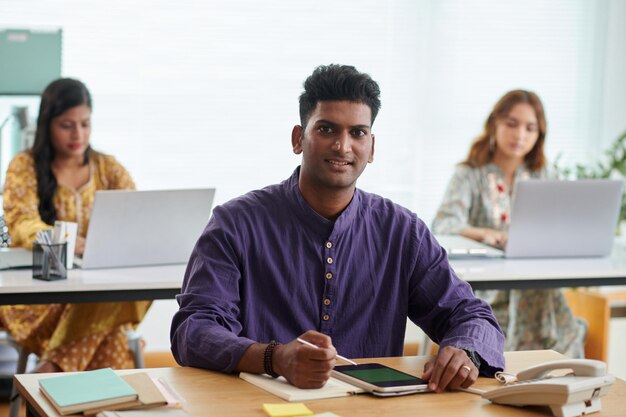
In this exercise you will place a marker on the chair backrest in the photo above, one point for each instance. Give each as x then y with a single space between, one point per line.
595 308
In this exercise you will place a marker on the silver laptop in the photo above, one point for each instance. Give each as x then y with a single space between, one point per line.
552 218
139 228
15 258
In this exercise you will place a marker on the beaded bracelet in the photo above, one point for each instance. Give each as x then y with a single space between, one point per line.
267 359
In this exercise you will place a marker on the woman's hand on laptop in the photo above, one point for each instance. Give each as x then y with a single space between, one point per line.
495 238
491 237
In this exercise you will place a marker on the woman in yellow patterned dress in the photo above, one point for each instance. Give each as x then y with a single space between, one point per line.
56 180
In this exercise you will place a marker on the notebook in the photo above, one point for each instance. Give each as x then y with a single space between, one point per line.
155 412
138 228
459 247
81 391
15 258
553 218
149 394
283 389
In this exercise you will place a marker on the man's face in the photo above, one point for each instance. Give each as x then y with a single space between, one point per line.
336 145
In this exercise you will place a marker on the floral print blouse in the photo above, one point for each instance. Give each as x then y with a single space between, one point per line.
478 197
21 202
530 319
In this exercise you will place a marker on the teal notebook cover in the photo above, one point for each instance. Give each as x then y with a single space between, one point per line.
86 387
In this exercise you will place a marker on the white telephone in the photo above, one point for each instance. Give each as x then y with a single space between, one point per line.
574 394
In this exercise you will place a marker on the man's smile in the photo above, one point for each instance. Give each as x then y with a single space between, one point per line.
338 163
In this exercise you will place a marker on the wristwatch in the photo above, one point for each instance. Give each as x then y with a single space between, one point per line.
474 357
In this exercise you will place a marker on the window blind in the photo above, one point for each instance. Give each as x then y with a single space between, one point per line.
194 94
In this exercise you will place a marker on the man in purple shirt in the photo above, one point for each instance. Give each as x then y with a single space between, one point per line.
315 257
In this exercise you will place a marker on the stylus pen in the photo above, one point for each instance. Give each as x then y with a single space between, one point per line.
304 342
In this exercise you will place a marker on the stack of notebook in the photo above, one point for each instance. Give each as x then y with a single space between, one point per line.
94 391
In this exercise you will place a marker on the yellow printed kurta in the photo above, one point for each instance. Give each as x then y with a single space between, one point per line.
73 336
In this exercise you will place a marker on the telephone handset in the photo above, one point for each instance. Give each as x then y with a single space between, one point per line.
579 367
575 394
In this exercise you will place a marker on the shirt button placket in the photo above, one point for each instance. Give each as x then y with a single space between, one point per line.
329 275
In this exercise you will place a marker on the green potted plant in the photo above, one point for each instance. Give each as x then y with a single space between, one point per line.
614 165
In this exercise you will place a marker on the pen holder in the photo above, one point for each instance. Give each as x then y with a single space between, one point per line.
49 261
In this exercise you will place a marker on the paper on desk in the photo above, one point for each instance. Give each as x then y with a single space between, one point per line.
66 232
287 410
154 412
173 398
283 389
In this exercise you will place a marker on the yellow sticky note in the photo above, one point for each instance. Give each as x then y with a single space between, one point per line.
287 410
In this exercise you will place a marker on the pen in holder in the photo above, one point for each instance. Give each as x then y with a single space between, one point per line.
49 261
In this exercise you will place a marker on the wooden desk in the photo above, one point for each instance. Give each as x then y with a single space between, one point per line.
211 393
117 284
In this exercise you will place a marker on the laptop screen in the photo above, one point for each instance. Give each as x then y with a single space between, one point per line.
135 228
554 218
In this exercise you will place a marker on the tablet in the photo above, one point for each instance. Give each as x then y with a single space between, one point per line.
380 379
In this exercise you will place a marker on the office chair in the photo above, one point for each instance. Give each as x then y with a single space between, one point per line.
597 309
134 345
5 240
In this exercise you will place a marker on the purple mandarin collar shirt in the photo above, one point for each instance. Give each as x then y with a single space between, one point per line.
268 267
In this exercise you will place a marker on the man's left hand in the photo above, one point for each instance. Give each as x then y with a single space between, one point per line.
450 369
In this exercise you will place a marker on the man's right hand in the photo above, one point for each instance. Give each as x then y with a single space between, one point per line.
305 366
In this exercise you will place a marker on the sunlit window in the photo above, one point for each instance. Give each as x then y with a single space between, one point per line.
190 94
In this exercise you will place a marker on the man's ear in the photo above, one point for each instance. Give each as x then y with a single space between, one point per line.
371 158
296 139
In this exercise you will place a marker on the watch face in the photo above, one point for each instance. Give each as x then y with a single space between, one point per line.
473 357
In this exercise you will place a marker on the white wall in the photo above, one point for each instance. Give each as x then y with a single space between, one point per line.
614 77
191 94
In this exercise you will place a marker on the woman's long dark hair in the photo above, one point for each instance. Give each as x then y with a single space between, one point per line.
58 97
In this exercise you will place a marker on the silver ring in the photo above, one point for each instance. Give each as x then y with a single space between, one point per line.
469 370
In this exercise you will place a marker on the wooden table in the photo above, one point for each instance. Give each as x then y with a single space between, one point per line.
208 393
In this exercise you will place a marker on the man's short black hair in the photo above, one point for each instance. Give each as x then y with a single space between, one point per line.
338 82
